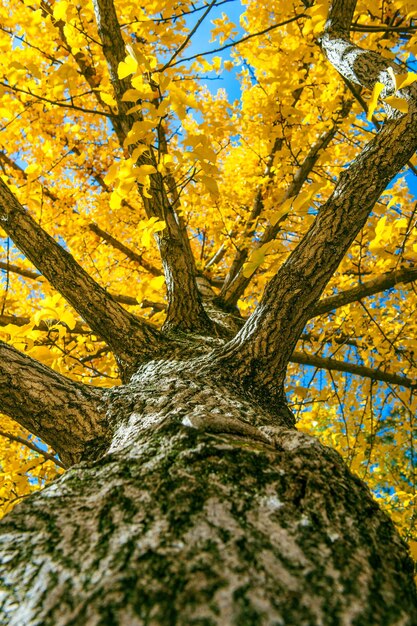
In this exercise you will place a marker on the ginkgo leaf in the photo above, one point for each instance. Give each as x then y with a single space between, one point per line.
60 10
142 172
138 151
115 200
397 103
378 88
112 173
139 131
131 95
68 319
210 184
404 80
256 258
281 212
127 67
108 98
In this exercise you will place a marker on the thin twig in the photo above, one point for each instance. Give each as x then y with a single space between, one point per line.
34 447
190 34
236 43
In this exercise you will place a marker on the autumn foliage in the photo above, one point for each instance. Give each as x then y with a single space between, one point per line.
246 177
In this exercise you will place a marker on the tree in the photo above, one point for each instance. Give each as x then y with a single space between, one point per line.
190 497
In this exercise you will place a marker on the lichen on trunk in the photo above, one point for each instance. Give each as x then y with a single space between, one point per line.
203 512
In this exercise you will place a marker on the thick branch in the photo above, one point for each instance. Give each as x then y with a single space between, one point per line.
260 351
65 414
22 271
185 309
95 228
352 368
370 288
359 66
127 336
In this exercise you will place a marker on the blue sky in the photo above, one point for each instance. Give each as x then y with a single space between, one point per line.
201 43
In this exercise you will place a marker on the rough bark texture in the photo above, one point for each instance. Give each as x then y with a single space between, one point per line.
185 307
197 501
123 331
193 518
65 413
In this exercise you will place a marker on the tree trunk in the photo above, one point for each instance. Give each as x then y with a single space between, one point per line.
202 513
192 499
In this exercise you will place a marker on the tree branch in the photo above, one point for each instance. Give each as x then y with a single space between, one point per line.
66 104
127 336
65 414
189 35
16 269
364 106
239 41
351 368
32 446
95 228
363 67
259 353
118 245
9 267
370 288
185 308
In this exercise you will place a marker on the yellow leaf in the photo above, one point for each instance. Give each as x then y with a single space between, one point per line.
108 99
112 173
302 392
115 201
404 80
131 95
145 189
42 353
397 103
68 319
60 10
256 258
157 282
137 152
138 132
283 210
210 184
374 99
143 171
127 67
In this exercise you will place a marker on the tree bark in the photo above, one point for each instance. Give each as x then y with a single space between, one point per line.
126 334
185 307
196 501
206 509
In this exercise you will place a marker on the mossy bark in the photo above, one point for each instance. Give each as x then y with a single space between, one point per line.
200 512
